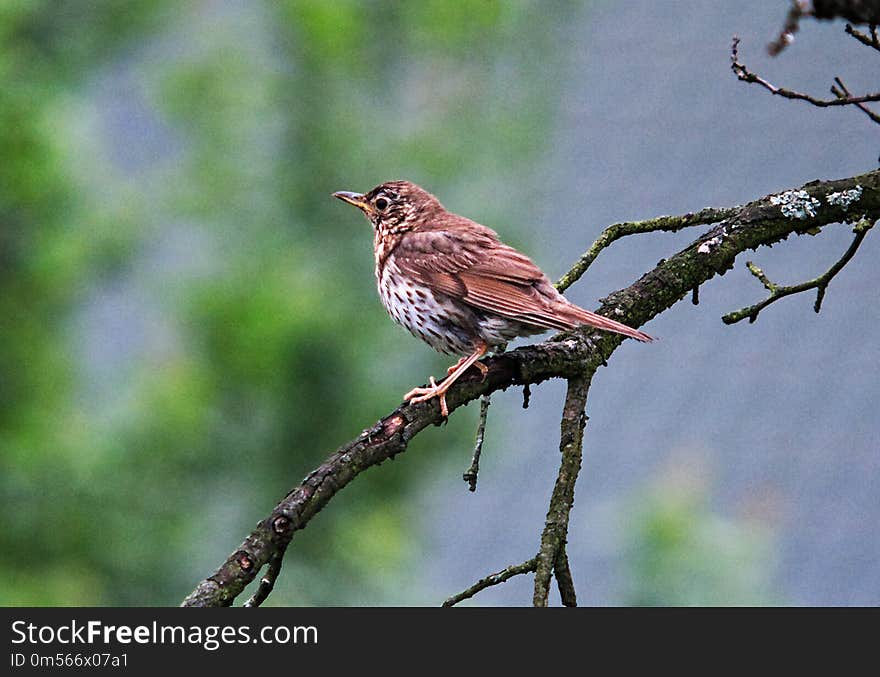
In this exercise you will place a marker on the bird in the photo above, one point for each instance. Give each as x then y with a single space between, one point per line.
456 286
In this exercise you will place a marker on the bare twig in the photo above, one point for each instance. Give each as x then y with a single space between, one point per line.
267 582
556 525
792 22
820 284
867 40
746 75
470 475
493 579
614 232
841 92
856 11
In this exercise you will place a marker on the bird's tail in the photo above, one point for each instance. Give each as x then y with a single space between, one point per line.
579 316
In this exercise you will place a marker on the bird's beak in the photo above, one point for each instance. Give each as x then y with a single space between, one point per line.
356 199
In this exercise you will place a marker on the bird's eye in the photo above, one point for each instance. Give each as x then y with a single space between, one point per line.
381 204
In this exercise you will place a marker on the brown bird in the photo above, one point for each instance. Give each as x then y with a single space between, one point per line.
452 283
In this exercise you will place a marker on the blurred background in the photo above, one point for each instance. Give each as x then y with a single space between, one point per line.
189 322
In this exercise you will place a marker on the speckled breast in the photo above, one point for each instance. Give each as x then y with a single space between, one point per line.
446 326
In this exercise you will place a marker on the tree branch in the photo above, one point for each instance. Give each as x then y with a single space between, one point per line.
493 579
792 24
562 573
571 444
820 284
267 582
470 475
570 355
840 99
670 224
867 40
841 92
856 11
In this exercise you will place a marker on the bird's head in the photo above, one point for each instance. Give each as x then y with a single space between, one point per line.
394 206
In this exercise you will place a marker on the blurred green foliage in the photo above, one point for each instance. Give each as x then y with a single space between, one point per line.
680 551
189 321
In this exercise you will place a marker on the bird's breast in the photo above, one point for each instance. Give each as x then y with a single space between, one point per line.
426 315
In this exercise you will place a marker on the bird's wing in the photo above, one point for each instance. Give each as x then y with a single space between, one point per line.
470 264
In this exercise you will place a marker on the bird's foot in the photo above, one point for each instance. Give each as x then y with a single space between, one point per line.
417 395
439 391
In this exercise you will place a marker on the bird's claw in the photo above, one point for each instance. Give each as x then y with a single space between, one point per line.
417 395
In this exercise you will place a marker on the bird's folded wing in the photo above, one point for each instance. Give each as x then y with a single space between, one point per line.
476 268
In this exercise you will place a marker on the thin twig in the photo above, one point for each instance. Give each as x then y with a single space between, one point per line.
267 582
470 475
758 273
746 75
493 579
864 38
841 92
792 21
820 284
614 232
556 525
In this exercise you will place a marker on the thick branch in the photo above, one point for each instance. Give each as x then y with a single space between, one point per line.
571 444
567 355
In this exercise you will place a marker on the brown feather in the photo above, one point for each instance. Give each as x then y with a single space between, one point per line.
466 261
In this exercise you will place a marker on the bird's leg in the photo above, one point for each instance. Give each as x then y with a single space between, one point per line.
434 390
456 365
479 365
